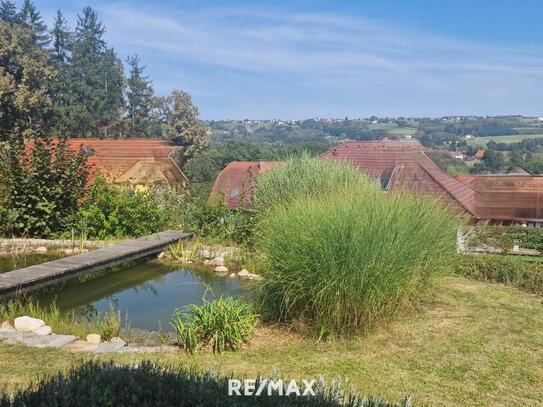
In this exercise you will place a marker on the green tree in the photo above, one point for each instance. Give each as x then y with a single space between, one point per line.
182 125
61 40
95 80
25 76
139 99
8 12
30 17
42 183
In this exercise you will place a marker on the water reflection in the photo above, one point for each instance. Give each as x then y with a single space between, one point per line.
147 293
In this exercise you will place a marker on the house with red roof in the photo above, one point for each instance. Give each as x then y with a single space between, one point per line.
235 182
140 163
404 165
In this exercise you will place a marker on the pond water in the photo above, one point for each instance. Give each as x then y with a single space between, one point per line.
146 294
17 261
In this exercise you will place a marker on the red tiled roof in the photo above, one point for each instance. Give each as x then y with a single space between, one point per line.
134 161
236 181
408 167
507 197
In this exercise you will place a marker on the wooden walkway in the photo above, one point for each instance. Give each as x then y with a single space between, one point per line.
53 272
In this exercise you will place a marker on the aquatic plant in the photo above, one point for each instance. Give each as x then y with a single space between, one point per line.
343 260
184 252
223 323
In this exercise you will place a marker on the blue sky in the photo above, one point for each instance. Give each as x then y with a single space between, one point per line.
301 59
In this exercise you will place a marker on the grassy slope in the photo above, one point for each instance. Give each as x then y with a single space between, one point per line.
474 344
505 139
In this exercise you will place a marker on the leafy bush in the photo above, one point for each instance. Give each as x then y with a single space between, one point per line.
41 184
117 212
345 259
224 323
147 384
520 272
215 220
303 176
107 325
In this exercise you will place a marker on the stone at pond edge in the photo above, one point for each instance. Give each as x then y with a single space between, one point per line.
243 273
26 323
50 341
7 324
115 345
221 269
94 339
43 331
217 261
233 275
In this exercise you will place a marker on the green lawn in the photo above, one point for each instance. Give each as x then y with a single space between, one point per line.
474 343
505 139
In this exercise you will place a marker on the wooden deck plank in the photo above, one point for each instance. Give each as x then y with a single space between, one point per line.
53 272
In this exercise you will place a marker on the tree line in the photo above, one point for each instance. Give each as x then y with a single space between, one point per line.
69 82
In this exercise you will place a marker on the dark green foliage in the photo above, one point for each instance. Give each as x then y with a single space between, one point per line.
24 78
116 212
8 12
41 186
521 272
139 99
150 385
94 96
222 324
30 17
61 41
214 220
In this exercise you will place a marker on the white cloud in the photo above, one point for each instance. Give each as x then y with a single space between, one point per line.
256 56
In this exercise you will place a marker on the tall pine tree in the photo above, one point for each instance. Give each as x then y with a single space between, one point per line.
61 36
8 12
139 99
95 80
30 17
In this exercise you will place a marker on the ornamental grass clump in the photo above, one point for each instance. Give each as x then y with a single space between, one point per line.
224 324
303 176
346 259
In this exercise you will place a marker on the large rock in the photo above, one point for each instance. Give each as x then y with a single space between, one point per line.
115 345
44 330
7 324
221 269
243 273
217 261
94 339
50 341
26 323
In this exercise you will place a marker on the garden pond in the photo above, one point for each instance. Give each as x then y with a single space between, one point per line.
144 294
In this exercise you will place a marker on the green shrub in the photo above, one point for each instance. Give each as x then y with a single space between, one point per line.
303 176
215 220
348 258
107 325
147 384
118 212
224 323
520 272
41 184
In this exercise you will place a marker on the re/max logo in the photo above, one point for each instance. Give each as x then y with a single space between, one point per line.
269 387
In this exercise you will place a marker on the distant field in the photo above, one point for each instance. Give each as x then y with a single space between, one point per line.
505 139
402 131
